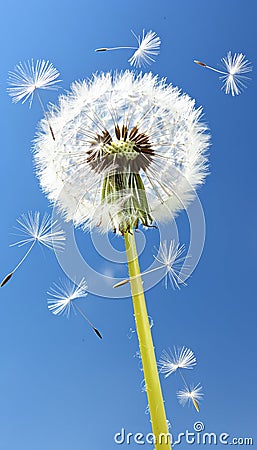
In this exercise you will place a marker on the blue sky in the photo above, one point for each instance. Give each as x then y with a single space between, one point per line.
60 386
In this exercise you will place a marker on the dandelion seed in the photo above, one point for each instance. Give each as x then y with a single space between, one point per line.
44 231
62 296
193 394
34 230
171 260
181 359
148 46
28 77
233 79
121 283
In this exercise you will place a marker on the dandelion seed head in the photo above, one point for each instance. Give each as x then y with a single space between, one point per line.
123 140
34 228
148 46
61 296
29 76
192 394
172 261
237 65
181 359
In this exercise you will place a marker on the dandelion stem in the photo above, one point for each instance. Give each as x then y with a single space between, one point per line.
153 387
46 115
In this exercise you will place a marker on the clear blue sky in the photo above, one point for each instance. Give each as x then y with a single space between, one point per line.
60 386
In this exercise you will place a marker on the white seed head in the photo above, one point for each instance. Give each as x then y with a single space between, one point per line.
34 228
172 261
181 359
236 66
29 76
62 295
126 140
192 394
148 46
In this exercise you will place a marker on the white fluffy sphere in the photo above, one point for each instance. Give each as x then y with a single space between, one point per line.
128 148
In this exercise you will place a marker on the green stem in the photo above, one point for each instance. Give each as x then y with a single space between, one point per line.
153 387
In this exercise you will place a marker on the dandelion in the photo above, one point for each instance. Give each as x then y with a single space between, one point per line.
128 140
33 230
181 359
130 148
171 260
62 296
233 79
27 78
148 46
193 394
